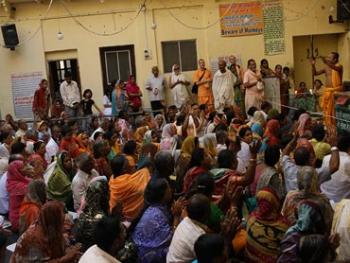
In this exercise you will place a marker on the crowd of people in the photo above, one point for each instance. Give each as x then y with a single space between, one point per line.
228 178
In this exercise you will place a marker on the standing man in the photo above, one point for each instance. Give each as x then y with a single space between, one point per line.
70 94
238 86
202 78
334 74
223 82
155 85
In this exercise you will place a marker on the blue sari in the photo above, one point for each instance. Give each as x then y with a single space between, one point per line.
153 234
120 101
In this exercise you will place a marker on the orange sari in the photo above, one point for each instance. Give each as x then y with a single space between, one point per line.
328 98
128 189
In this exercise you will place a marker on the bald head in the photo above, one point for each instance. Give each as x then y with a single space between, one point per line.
201 63
198 208
155 71
222 65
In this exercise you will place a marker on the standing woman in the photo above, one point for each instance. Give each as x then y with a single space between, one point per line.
119 98
265 70
178 85
41 102
134 93
253 85
284 88
107 98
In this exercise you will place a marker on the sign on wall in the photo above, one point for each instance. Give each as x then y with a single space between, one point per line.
23 88
240 19
273 27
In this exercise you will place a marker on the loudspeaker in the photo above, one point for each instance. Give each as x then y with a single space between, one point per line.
343 10
10 36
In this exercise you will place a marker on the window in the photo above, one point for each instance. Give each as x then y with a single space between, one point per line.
117 63
183 52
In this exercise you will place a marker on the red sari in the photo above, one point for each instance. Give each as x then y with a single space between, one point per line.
191 177
131 88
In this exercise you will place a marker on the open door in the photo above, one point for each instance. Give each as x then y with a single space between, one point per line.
57 68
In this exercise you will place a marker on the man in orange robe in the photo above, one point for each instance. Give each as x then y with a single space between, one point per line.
334 74
202 77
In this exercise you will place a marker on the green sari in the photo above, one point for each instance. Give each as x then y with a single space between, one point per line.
59 184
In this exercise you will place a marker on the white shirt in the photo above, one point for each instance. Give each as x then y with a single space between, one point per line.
4 195
80 184
182 245
4 152
96 254
338 187
70 93
244 153
157 86
20 134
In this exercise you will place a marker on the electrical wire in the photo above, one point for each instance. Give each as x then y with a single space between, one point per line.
36 30
199 28
103 34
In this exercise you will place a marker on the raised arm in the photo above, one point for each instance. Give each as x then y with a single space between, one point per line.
314 71
250 174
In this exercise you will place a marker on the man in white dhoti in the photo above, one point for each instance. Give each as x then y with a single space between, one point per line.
178 86
223 83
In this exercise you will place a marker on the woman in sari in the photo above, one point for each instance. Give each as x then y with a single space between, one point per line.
153 231
265 228
39 154
200 163
258 119
134 94
96 207
265 70
307 190
272 133
209 144
44 240
101 151
310 221
17 187
168 140
83 143
119 98
32 203
284 88
183 162
127 188
59 183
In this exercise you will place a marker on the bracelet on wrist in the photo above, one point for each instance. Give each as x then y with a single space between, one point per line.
334 148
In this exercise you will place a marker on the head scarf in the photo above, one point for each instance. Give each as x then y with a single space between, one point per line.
257 129
303 119
140 133
131 87
302 142
209 144
188 145
168 131
258 117
17 183
307 179
310 219
147 138
163 123
268 205
272 130
59 184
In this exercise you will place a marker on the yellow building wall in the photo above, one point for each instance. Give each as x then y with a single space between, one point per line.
302 18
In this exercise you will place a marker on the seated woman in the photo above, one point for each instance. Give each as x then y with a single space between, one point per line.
39 154
272 133
183 162
129 150
310 221
83 142
307 190
127 188
59 183
101 151
209 144
96 207
30 208
246 136
44 240
17 187
265 228
168 140
153 231
200 163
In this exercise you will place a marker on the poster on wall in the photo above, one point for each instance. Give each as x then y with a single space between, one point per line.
241 19
23 88
273 27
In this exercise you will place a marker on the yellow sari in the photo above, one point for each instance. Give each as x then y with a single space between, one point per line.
328 98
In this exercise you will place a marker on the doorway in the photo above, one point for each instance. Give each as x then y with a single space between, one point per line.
117 63
57 69
303 49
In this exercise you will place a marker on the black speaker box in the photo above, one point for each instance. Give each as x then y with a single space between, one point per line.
343 10
10 36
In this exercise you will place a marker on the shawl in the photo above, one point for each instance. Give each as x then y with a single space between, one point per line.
188 145
209 144
303 119
153 234
258 117
272 129
265 229
191 177
40 99
128 189
59 184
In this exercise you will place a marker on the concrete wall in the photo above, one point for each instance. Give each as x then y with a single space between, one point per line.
302 18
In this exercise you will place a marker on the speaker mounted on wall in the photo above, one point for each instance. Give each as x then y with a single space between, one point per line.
9 33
